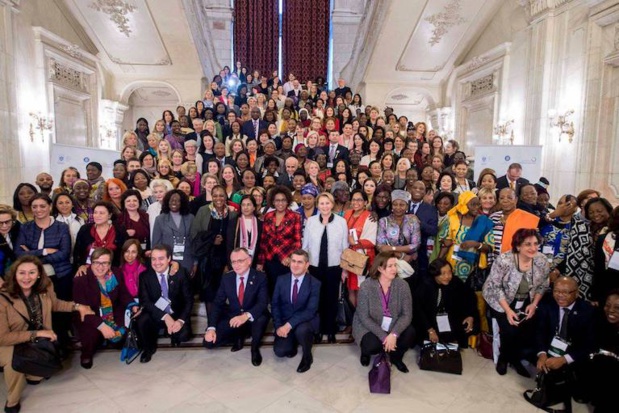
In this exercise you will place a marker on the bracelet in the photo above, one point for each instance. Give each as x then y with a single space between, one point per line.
481 245
76 306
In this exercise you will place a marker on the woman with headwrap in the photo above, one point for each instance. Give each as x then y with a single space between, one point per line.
309 192
466 236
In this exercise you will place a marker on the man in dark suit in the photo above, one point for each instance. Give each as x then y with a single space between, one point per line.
512 179
166 302
428 217
565 334
219 150
240 307
334 150
252 127
291 164
295 311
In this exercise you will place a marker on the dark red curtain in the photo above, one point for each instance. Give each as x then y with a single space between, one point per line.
256 34
305 38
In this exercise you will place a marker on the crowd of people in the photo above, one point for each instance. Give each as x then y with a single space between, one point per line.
246 202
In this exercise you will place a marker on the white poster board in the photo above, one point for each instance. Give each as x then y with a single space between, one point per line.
499 157
63 156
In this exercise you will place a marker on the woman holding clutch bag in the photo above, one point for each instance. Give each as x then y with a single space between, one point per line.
361 237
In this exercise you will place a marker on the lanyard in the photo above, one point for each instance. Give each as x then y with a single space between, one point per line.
385 301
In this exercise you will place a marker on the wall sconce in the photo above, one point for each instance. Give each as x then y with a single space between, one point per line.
502 130
107 134
40 123
562 123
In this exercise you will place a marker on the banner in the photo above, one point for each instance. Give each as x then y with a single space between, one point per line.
63 156
499 157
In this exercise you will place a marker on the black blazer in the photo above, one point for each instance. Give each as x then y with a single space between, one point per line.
428 217
580 328
7 254
84 239
179 293
502 182
341 152
227 303
237 239
248 128
284 180
306 308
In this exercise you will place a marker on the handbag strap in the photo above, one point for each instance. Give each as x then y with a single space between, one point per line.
6 297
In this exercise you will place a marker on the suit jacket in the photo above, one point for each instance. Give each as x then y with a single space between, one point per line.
179 294
248 128
502 182
283 179
86 292
84 239
428 217
580 328
56 236
165 230
306 307
341 152
255 299
227 161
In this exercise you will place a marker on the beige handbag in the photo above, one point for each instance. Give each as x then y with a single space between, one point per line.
353 261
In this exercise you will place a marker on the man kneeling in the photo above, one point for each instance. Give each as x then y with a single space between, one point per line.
240 307
295 311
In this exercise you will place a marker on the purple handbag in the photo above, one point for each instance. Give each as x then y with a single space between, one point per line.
380 375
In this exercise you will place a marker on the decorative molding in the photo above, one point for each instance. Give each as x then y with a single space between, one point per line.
72 50
67 76
482 85
117 10
162 93
399 96
616 39
534 7
443 21
476 62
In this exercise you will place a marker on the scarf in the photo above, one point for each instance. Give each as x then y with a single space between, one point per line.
515 221
249 244
106 242
216 215
132 272
106 309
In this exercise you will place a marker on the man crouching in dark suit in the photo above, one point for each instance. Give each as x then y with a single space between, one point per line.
240 307
564 337
166 302
295 311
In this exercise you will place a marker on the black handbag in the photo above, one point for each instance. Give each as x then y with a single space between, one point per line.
477 277
131 349
442 360
35 358
345 310
552 388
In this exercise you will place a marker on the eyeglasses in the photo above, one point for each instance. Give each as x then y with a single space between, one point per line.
6 223
562 292
101 263
241 261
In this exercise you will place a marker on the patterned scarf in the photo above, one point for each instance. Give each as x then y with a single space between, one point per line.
216 215
107 312
106 242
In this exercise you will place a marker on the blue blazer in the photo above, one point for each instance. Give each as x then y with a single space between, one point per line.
57 236
306 308
580 327
255 299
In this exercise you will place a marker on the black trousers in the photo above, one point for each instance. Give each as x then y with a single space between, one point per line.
516 341
148 328
302 334
273 269
61 322
227 335
371 344
330 279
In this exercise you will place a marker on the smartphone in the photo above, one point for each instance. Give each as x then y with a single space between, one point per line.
521 316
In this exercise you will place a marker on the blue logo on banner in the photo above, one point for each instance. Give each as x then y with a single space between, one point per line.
61 158
507 157
533 159
86 159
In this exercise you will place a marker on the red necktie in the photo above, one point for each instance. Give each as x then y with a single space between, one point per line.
241 291
295 291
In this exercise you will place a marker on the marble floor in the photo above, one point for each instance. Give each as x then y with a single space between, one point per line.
197 380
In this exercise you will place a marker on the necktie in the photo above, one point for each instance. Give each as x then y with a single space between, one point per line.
256 129
512 185
241 291
563 329
164 286
415 206
332 152
295 291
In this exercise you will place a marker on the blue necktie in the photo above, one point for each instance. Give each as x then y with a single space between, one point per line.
164 286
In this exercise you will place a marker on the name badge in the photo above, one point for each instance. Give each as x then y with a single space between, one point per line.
558 347
455 255
386 323
88 261
164 305
548 250
179 248
143 245
430 246
614 261
519 304
442 321
329 164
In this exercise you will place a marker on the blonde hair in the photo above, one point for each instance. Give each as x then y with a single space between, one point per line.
162 156
325 195
486 191
126 135
189 168
6 209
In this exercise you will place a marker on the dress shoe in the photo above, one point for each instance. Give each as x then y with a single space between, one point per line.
256 357
305 365
317 338
501 367
86 363
145 357
12 409
33 382
331 338
238 345
581 399
365 360
399 364
292 354
521 370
